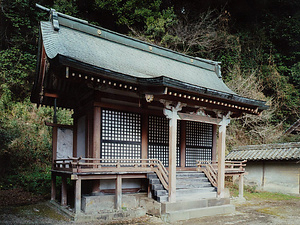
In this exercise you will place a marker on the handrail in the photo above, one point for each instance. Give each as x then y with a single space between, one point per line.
85 165
210 168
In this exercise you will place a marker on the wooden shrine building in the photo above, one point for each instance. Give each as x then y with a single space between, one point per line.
139 109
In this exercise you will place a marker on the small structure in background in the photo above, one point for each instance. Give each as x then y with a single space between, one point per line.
271 167
143 116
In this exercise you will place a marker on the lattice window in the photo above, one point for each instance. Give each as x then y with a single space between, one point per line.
121 135
199 141
158 140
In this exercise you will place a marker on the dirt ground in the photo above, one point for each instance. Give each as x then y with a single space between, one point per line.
31 210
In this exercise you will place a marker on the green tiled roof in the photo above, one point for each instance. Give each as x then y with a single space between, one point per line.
133 60
282 151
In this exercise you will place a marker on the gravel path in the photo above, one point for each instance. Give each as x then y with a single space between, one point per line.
255 211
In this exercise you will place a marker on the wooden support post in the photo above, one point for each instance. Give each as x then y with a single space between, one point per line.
171 113
63 191
241 186
149 191
172 159
53 187
96 132
182 143
214 146
78 195
96 142
118 193
221 156
144 136
54 144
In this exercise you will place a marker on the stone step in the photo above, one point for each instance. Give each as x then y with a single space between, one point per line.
192 181
193 185
189 191
196 196
162 198
174 216
190 174
151 175
154 181
155 187
193 204
160 193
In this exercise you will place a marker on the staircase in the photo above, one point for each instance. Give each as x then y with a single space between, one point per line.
195 197
189 185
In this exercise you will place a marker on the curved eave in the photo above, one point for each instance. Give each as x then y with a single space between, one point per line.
159 82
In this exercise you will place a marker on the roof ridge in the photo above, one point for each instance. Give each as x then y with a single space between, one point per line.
267 146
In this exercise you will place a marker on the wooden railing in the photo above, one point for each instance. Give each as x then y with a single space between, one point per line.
92 165
210 168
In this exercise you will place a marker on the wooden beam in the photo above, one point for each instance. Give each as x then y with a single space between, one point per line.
59 125
199 118
118 193
129 109
51 95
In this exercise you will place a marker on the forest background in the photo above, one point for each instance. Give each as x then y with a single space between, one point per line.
258 43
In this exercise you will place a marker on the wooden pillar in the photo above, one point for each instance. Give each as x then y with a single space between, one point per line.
182 143
221 156
149 191
54 144
53 186
96 142
75 128
172 158
96 132
171 113
144 153
78 195
214 144
63 191
241 186
118 192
